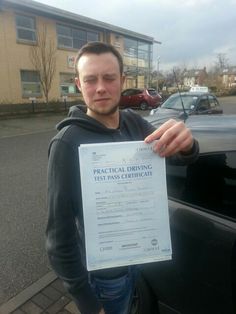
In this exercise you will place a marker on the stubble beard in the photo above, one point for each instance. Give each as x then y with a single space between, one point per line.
111 111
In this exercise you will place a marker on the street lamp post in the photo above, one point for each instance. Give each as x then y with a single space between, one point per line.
158 63
64 98
33 101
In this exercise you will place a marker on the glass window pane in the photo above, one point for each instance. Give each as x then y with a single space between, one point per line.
30 83
67 83
72 89
31 88
143 46
130 47
143 55
64 89
64 41
131 43
92 36
25 21
132 52
77 33
26 34
74 38
25 28
63 30
29 76
213 101
210 182
77 43
68 89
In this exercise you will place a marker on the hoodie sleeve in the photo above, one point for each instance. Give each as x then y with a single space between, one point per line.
64 237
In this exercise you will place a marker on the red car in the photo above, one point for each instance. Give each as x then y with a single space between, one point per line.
140 98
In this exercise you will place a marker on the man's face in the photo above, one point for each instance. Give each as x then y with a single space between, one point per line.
100 82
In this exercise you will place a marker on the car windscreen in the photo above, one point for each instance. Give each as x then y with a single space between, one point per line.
174 102
152 92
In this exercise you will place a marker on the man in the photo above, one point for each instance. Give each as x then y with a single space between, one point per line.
99 70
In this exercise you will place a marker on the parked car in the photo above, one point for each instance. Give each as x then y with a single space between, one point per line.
201 277
140 98
181 105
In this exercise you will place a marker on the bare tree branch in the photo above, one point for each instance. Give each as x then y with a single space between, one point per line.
43 58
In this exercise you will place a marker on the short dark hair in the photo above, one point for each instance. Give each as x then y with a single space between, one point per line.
97 47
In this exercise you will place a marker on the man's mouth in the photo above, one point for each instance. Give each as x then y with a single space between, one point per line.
101 99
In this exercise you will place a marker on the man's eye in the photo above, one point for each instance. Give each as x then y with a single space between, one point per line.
90 80
109 78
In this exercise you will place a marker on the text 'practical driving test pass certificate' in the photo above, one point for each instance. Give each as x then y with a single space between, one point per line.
125 204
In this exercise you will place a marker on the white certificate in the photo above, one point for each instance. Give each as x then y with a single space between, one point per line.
125 204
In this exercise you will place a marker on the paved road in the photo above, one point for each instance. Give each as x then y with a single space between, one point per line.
23 162
23 214
228 104
23 159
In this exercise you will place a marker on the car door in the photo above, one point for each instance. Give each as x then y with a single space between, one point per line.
137 98
203 105
131 98
214 105
126 97
201 277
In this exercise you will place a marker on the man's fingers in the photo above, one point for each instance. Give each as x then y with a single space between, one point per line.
174 147
160 131
172 137
173 141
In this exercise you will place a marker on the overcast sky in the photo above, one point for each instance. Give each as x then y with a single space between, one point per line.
192 32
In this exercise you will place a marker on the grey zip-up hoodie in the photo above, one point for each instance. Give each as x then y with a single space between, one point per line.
65 229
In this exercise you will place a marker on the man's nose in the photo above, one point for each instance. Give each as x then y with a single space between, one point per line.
100 87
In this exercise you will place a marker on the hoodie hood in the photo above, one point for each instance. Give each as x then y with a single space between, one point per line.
77 116
132 126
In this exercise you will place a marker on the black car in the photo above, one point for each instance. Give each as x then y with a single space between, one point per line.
201 277
181 105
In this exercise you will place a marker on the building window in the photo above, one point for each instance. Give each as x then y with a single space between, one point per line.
30 83
25 28
74 38
91 36
67 84
137 62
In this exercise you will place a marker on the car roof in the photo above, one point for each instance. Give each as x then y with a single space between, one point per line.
197 94
215 133
217 122
135 88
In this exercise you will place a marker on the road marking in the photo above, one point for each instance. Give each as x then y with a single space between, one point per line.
26 133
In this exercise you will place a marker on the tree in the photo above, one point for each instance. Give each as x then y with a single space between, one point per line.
221 62
43 58
174 78
214 80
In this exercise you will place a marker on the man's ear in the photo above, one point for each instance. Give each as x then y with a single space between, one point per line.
77 83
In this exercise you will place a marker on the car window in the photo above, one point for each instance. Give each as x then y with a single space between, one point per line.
137 92
152 92
126 92
210 182
175 102
213 102
131 92
203 104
